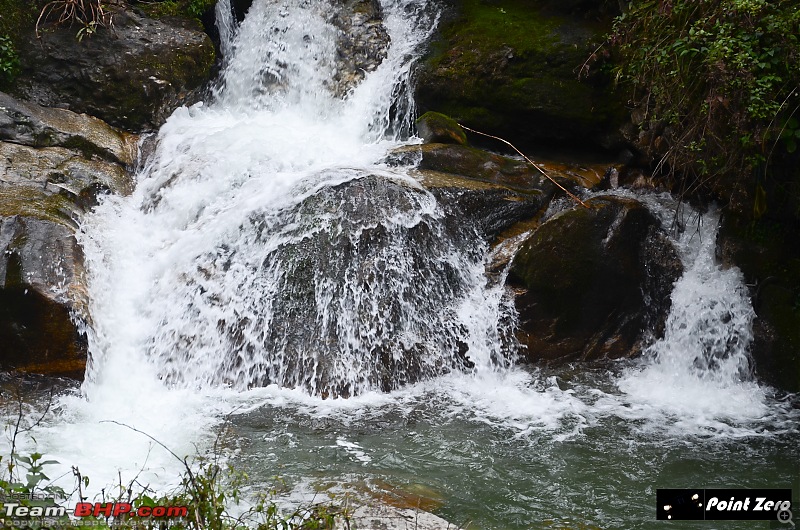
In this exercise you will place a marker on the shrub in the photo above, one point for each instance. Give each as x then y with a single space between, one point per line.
176 8
720 81
9 60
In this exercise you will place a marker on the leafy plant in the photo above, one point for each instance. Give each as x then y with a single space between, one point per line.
716 81
9 59
177 8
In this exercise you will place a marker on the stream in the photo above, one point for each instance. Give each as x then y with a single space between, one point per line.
274 289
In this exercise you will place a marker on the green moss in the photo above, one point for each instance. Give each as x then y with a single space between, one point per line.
494 25
177 8
17 17
32 202
438 127
508 67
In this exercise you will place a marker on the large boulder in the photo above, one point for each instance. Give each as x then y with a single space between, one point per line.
511 68
767 253
356 287
593 282
53 164
132 75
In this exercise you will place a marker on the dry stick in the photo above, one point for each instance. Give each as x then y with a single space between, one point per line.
542 171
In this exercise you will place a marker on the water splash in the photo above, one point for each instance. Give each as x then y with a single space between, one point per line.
263 243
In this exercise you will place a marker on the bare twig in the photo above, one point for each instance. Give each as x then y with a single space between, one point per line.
542 171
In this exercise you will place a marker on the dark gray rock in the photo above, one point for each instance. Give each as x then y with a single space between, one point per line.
768 255
595 283
132 75
41 289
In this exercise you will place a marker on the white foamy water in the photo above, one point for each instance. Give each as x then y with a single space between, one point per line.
198 312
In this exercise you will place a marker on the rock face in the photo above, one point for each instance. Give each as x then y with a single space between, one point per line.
510 68
132 75
592 281
40 268
53 163
29 124
767 254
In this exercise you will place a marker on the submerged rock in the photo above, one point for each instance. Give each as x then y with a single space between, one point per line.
358 286
594 282
53 164
132 75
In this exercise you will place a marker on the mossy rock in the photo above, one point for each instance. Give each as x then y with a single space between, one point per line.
132 77
510 68
585 276
434 127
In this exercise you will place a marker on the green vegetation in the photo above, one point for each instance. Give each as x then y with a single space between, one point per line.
177 8
719 82
205 491
9 60
15 17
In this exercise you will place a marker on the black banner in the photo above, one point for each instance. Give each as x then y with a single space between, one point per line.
724 505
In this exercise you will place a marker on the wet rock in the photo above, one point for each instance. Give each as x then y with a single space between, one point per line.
40 288
362 44
327 305
53 164
468 162
30 124
767 253
594 283
490 210
513 173
511 69
434 127
55 170
132 75
384 517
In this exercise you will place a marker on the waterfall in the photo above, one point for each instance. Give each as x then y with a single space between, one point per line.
269 263
700 373
266 244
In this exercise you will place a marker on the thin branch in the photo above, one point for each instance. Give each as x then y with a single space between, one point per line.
543 172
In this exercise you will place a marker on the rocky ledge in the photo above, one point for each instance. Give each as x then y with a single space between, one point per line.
55 163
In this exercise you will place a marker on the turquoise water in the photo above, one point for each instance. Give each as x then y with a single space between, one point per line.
584 467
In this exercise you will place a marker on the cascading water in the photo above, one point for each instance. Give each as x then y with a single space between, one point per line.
267 260
701 367
277 251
